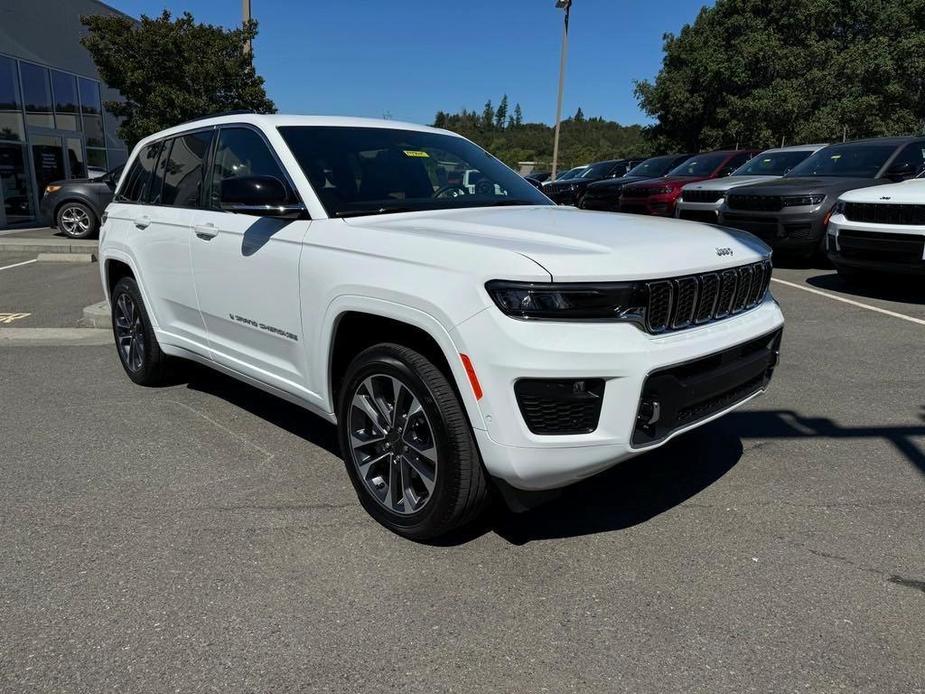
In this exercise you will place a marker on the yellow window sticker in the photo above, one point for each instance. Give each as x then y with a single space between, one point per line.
416 153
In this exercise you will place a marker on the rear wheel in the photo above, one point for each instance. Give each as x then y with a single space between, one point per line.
139 352
77 221
407 444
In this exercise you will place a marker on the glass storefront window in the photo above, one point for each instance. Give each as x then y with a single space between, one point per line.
9 85
75 158
15 193
97 158
36 91
93 127
64 89
90 96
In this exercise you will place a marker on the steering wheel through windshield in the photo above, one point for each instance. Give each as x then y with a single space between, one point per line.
451 191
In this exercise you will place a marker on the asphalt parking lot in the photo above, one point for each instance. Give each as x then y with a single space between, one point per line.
205 536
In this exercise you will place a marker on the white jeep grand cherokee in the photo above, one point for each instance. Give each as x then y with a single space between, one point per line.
460 339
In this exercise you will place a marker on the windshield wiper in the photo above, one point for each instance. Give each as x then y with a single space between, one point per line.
504 203
374 210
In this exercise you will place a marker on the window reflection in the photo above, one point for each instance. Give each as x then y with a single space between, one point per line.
15 198
64 88
36 92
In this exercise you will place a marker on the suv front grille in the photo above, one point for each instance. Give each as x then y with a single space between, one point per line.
759 203
680 302
877 213
701 195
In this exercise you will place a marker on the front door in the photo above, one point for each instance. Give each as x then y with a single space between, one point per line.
247 271
49 157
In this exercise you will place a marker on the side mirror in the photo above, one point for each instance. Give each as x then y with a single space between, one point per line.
257 195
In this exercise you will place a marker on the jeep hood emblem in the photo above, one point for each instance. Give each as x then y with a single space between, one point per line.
723 251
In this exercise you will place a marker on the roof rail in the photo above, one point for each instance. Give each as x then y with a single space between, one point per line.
237 112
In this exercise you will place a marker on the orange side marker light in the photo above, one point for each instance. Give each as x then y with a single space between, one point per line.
473 379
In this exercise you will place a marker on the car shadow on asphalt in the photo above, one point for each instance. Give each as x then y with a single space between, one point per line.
641 488
905 289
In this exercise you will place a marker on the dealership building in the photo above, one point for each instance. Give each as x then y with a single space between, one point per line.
53 123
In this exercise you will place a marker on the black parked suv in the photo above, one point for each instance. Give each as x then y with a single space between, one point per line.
75 206
791 213
570 191
605 195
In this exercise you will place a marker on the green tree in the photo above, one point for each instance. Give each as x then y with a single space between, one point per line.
501 113
579 115
518 115
762 71
172 70
488 115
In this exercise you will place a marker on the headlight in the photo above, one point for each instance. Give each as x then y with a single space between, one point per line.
52 189
803 200
838 209
608 301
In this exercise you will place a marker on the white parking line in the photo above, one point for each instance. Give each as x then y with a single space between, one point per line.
901 316
25 262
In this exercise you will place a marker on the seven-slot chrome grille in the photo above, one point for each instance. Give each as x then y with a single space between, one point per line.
701 195
681 302
877 213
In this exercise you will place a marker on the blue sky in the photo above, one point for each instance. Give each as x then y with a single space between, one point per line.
409 58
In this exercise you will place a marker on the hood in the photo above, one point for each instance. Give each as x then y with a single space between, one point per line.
616 183
677 181
728 182
811 184
575 245
911 192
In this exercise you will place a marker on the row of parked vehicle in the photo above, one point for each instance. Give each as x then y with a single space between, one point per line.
862 203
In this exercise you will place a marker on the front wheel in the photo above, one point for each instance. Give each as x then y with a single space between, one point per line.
77 221
407 445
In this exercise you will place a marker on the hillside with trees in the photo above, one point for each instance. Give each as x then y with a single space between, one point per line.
759 72
503 131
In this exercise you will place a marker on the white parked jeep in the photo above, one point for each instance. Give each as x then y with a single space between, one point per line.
459 339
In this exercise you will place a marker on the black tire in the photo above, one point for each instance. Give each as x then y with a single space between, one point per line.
147 366
460 484
77 221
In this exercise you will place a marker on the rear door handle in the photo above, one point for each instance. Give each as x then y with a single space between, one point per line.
206 232
143 221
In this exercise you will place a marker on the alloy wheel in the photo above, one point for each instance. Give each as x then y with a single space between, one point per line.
129 332
75 221
392 444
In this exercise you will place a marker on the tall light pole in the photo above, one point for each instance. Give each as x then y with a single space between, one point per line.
567 6
246 14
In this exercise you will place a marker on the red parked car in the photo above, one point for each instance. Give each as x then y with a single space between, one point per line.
658 196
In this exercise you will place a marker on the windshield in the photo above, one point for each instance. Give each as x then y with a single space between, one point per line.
571 173
360 171
847 161
772 163
701 165
598 170
654 167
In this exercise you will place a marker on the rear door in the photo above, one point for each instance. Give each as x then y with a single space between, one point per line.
247 270
163 228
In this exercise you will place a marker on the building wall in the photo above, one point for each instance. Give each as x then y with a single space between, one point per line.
41 58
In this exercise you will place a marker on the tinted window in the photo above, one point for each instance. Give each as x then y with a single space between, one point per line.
9 85
156 187
598 170
184 170
361 171
849 161
656 166
90 96
701 165
243 152
912 156
133 189
773 163
35 88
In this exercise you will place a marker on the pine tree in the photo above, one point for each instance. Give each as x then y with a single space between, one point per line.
579 116
518 115
501 113
488 115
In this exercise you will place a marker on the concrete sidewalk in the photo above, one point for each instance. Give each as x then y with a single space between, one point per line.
44 240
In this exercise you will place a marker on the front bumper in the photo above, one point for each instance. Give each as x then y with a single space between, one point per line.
602 203
505 350
798 229
563 197
655 205
888 248
698 211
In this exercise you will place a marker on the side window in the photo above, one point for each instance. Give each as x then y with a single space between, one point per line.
183 173
133 190
242 152
912 157
735 163
156 188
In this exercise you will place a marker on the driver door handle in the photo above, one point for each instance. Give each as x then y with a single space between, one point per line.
143 221
206 232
